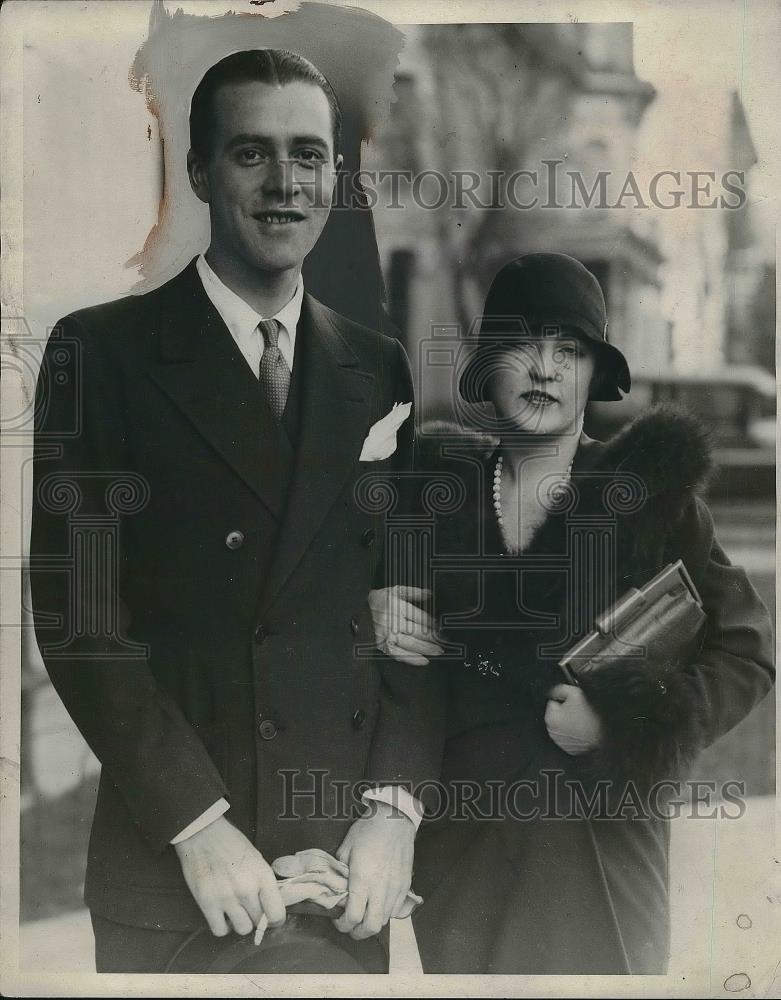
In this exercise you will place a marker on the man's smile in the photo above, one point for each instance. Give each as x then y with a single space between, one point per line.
276 217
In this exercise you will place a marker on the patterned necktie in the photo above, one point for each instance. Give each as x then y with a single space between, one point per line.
274 371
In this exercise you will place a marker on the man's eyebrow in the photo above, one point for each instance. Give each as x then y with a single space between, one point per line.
248 138
309 140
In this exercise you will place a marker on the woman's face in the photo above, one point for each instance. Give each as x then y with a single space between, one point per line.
541 386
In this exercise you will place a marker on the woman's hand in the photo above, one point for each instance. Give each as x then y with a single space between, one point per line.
402 629
572 723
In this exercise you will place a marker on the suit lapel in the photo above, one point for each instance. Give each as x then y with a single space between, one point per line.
335 402
202 370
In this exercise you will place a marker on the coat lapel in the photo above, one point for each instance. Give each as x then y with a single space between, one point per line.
336 396
202 370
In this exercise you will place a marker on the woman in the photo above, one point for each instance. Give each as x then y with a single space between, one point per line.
550 852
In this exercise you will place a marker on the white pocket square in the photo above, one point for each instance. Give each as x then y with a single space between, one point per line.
380 442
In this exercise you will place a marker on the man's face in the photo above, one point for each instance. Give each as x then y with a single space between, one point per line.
270 174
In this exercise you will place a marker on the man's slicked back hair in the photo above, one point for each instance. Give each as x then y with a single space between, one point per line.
275 67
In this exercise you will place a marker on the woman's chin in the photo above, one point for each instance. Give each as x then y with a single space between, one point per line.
542 420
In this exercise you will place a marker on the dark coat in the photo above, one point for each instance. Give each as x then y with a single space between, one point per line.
207 641
530 891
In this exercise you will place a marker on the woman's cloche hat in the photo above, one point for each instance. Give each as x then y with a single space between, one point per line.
535 293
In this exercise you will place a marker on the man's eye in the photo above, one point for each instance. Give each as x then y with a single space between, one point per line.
250 156
312 156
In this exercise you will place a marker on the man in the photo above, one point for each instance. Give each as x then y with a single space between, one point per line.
199 446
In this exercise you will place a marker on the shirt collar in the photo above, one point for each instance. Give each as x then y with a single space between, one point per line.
240 318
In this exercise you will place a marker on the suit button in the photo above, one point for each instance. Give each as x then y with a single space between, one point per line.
359 718
367 538
234 539
267 729
354 626
261 634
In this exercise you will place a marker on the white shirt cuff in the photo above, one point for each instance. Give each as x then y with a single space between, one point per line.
214 812
400 799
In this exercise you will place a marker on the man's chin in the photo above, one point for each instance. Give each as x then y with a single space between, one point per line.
276 262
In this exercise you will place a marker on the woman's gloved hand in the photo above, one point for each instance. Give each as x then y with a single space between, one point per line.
403 629
572 723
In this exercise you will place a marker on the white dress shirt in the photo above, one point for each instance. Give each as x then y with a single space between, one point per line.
242 322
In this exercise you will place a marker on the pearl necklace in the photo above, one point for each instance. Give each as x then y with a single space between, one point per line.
508 548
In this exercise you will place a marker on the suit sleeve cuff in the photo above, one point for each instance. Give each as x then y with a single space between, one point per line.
214 812
400 799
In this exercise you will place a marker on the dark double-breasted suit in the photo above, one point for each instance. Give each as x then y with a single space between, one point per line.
200 578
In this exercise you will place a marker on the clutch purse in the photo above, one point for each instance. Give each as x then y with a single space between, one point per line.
662 623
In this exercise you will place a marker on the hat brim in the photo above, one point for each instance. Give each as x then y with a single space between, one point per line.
614 378
305 944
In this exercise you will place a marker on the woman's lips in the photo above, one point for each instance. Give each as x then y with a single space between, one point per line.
538 397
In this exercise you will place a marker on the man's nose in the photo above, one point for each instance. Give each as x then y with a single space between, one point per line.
279 178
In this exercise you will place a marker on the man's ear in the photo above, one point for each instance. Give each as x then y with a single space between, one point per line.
199 180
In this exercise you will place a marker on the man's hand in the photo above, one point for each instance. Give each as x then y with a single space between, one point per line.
378 849
402 629
229 878
572 723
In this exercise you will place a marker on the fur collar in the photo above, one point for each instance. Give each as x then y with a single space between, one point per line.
668 448
643 477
